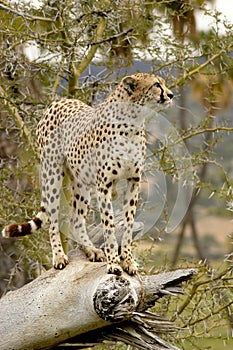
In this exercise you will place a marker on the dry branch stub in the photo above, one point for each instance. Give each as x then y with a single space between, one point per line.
115 299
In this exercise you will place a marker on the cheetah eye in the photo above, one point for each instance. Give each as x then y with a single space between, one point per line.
157 85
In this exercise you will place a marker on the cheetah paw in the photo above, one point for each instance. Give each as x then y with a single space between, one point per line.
61 262
94 254
114 269
130 266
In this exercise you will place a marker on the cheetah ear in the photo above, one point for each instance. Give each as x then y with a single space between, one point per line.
130 84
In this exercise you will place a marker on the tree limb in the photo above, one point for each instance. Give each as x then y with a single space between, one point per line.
77 70
61 306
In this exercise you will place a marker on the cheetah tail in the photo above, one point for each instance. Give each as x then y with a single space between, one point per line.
26 228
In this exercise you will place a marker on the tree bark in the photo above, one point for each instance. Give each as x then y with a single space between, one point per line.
60 305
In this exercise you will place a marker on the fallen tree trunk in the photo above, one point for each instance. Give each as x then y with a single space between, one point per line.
60 305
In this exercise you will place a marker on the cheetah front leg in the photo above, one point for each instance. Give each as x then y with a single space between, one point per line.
129 210
81 200
107 218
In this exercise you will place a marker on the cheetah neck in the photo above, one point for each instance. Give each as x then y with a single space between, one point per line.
120 94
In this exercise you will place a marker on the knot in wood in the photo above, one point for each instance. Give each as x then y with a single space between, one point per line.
115 299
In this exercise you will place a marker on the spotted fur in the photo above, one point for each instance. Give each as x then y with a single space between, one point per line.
96 147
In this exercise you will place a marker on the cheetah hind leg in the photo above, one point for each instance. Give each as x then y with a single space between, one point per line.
81 200
93 254
60 262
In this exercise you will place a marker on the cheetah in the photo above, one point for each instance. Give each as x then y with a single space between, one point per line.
97 147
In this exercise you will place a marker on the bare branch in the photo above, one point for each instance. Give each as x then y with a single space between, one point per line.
94 12
110 38
25 15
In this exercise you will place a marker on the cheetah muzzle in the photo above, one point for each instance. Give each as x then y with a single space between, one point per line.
96 147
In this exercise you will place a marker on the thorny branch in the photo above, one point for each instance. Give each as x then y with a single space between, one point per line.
195 286
202 131
196 70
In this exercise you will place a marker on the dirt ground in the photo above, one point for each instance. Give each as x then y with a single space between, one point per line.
214 236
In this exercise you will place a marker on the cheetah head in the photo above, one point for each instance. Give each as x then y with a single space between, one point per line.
147 89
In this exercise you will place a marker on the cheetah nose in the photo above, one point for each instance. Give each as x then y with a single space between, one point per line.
170 96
